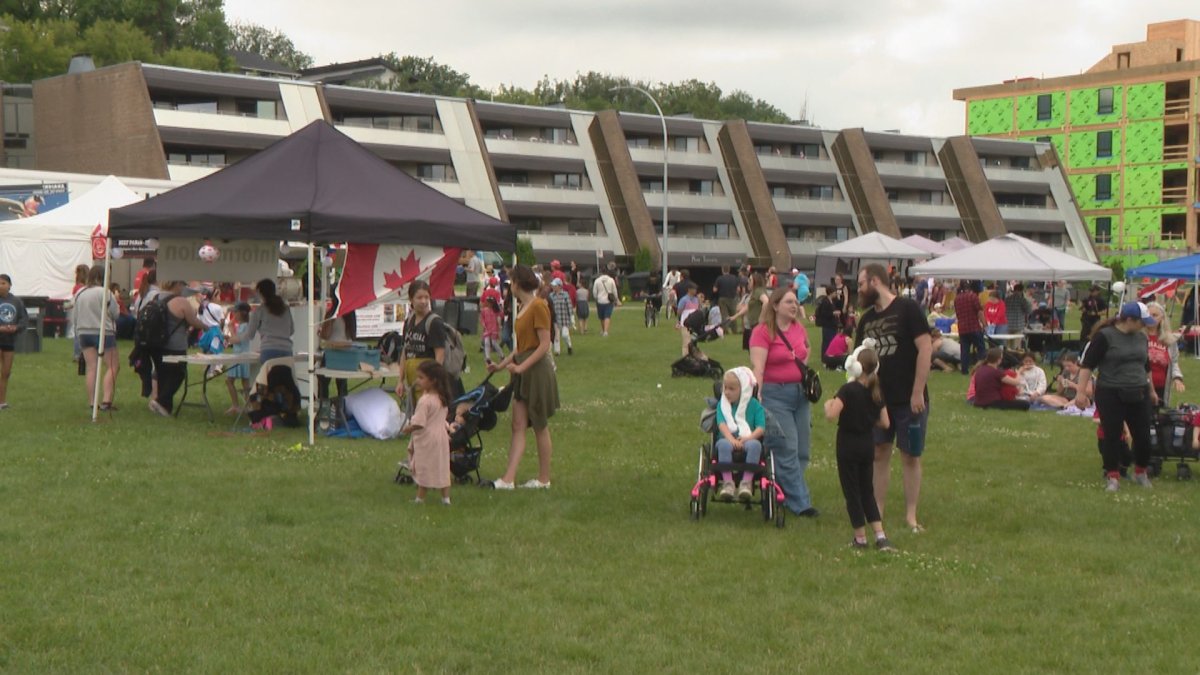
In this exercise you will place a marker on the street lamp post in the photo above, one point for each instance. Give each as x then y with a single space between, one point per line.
662 118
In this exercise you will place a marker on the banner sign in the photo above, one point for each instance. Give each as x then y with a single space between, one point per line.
23 201
243 260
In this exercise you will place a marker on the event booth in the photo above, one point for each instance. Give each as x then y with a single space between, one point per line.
316 186
1012 256
843 257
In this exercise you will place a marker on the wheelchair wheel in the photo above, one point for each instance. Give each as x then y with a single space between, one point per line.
767 497
780 517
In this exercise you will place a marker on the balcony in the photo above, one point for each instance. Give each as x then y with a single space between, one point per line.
189 172
1174 108
546 194
447 187
585 244
1175 153
925 171
1175 195
1029 176
1031 214
803 205
689 200
780 163
923 210
224 122
674 157
409 138
533 148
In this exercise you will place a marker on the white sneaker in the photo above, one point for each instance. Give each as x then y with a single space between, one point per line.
535 484
1113 485
1142 479
158 409
501 484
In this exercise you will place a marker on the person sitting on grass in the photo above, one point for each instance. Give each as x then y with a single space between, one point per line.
946 351
839 348
858 408
1033 379
742 423
1066 383
990 381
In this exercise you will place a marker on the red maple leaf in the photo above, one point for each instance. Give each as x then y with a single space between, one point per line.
410 268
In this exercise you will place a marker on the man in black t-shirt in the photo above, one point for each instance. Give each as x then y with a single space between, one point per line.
725 290
905 349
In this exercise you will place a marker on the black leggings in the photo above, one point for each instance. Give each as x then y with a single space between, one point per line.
1115 413
856 471
171 376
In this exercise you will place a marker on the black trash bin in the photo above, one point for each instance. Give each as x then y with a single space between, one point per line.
29 340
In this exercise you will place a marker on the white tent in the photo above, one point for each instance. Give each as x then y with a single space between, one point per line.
873 245
926 244
1012 257
40 253
956 244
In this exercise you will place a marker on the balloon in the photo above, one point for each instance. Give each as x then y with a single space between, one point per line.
116 253
209 253
152 244
1118 287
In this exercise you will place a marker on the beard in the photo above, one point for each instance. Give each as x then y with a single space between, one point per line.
867 297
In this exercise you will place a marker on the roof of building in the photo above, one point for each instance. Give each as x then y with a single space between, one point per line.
363 65
249 61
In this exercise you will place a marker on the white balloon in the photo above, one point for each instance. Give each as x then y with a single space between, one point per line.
116 254
1118 287
152 244
209 253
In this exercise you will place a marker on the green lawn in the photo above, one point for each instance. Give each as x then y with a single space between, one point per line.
144 544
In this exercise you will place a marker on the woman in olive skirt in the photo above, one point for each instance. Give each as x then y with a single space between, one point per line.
535 387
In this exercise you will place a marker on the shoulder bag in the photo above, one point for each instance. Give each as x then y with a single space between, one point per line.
812 381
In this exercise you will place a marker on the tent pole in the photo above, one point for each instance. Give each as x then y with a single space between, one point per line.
312 350
100 347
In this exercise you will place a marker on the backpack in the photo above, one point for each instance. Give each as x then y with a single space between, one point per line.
152 324
391 346
455 357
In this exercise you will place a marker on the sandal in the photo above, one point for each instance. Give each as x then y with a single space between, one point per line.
106 407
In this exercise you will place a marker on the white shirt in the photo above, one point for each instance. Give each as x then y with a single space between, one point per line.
604 290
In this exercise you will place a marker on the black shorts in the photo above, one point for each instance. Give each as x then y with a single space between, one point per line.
8 348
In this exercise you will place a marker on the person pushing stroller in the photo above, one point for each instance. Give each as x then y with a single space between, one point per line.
742 423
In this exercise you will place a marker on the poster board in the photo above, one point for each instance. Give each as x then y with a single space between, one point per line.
244 260
373 321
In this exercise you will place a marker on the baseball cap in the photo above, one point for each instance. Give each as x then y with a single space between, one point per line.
1137 310
556 282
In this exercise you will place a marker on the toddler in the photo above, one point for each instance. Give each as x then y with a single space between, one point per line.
742 423
489 317
429 443
238 327
858 409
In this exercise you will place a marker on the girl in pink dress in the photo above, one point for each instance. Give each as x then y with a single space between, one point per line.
429 445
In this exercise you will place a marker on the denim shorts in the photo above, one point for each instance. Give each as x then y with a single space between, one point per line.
604 311
93 342
901 417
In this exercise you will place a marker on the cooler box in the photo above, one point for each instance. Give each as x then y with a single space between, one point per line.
944 325
348 358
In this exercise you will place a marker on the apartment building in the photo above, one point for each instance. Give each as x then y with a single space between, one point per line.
581 185
1126 131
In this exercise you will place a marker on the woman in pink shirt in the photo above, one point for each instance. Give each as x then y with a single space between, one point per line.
778 346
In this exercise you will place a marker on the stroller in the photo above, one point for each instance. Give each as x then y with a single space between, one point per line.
1171 438
697 363
767 493
478 408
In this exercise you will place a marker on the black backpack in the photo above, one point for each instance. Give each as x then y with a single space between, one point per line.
153 322
390 347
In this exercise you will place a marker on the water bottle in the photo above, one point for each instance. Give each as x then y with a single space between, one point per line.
916 438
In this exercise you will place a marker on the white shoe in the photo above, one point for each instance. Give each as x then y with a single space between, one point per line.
535 484
158 409
501 484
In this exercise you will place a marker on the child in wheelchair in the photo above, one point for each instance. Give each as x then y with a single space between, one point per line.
741 423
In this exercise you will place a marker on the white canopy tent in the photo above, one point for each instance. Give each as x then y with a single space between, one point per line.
40 253
1012 257
926 244
874 245
956 244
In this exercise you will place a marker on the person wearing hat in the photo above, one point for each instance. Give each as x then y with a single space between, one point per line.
1124 391
556 271
560 302
1091 310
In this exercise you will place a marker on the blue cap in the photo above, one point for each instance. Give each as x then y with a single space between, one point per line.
1137 310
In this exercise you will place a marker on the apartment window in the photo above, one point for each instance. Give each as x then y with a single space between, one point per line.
671 229
638 142
716 230
1103 187
196 157
435 172
925 197
837 233
1043 107
502 132
806 150
1103 230
554 135
512 178
704 187
1020 162
764 150
1104 101
581 226
652 185
573 181
793 232
778 191
893 195
914 157
686 143
198 106
527 224
820 192
1042 139
256 108
1104 143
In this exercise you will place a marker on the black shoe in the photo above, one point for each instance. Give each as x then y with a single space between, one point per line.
570 351
858 545
810 512
884 546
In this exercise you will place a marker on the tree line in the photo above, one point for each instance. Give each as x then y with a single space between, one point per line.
38 38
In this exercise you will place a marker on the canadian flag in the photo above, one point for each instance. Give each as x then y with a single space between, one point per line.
1165 288
379 272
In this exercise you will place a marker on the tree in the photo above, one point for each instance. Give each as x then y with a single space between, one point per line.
524 252
31 50
423 75
269 44
111 42
186 57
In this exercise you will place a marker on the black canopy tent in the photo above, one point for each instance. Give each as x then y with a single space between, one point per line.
317 186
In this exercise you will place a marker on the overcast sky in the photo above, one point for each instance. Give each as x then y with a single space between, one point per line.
879 64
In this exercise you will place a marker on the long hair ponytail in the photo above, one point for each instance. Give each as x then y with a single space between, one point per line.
869 360
271 299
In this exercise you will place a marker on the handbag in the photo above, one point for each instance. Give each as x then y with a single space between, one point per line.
812 381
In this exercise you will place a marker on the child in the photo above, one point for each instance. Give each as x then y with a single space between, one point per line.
560 303
742 423
429 447
1033 379
858 409
839 348
581 307
239 326
13 318
990 381
996 315
489 316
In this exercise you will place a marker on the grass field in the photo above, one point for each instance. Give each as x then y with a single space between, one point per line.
145 544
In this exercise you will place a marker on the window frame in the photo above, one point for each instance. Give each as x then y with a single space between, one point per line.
1101 108
1047 114
1105 152
1103 194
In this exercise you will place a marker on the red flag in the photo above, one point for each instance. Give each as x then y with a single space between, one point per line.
1166 287
375 272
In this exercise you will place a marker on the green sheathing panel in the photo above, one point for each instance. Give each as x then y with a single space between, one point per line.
1083 150
1057 140
1084 103
1114 230
1143 142
990 116
1130 261
1143 185
1084 187
1143 227
1027 112
1145 101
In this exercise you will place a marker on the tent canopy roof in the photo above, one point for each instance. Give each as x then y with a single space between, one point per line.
1012 257
338 191
874 245
926 244
1187 267
956 244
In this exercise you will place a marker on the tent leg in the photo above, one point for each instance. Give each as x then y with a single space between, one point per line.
100 347
312 351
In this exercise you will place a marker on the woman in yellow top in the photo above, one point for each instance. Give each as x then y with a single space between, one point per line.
535 387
